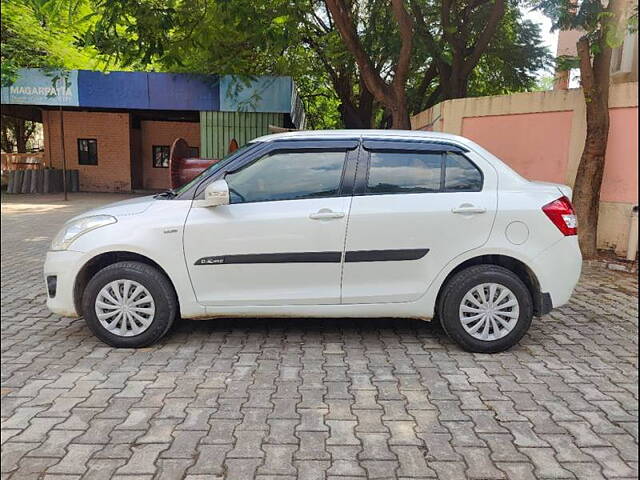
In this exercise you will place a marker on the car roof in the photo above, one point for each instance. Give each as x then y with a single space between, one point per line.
362 134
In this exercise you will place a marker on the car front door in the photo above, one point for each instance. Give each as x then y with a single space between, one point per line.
281 238
416 206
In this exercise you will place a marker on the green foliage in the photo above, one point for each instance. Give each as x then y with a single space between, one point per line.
544 84
511 63
321 102
594 18
269 37
235 37
590 16
566 62
43 33
513 60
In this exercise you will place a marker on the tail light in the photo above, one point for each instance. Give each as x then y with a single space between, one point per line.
563 216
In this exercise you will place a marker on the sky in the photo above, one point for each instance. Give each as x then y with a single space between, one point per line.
550 39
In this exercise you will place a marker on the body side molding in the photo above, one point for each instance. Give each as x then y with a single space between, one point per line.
317 257
385 255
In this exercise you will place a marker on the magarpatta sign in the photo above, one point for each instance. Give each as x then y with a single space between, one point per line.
48 91
40 87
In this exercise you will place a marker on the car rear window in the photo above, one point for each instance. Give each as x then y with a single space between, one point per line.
394 172
404 172
461 175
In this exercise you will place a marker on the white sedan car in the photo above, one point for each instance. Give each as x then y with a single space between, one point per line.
327 224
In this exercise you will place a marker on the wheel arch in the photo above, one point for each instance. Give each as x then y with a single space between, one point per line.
102 260
521 269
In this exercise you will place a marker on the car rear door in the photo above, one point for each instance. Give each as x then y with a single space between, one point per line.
416 206
280 240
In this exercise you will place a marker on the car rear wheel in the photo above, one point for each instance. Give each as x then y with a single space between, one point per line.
486 308
129 304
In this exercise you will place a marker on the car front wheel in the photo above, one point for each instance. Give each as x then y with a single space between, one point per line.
486 308
129 304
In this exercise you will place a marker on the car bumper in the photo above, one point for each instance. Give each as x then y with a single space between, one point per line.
558 270
60 271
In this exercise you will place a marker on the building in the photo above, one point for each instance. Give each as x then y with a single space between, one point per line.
624 61
541 135
116 128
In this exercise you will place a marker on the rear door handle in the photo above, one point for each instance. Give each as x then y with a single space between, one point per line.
326 214
467 209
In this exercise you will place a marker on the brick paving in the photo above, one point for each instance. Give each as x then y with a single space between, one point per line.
310 399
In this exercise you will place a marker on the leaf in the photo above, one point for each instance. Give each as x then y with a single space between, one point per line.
613 36
281 20
567 62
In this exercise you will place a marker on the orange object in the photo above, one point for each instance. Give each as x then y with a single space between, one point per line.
183 168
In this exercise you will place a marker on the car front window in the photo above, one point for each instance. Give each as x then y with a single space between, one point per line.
291 175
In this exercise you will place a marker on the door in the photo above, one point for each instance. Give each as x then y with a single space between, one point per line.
416 207
281 239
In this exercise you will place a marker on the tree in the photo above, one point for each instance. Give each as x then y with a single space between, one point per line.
467 30
43 34
301 38
319 35
602 26
38 34
323 107
474 48
510 63
461 48
390 94
274 37
16 133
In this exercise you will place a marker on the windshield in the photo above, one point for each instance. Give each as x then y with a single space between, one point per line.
214 168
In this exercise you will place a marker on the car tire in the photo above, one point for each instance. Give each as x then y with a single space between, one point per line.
145 311
501 321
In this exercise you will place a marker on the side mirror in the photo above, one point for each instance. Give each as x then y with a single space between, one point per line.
216 193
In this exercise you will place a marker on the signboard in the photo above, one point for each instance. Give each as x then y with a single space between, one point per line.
40 87
148 90
255 94
155 91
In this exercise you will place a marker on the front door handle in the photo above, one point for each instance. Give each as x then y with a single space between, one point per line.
326 214
468 209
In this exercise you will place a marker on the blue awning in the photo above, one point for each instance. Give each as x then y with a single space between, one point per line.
154 91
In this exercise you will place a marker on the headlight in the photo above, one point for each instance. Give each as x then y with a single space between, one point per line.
74 229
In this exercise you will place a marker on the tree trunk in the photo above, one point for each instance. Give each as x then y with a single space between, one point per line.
455 85
365 106
358 116
21 136
589 177
15 133
350 116
591 167
5 141
595 86
400 115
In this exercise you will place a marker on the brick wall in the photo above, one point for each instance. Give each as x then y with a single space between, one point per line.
163 133
111 130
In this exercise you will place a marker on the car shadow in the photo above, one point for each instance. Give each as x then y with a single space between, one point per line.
309 327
